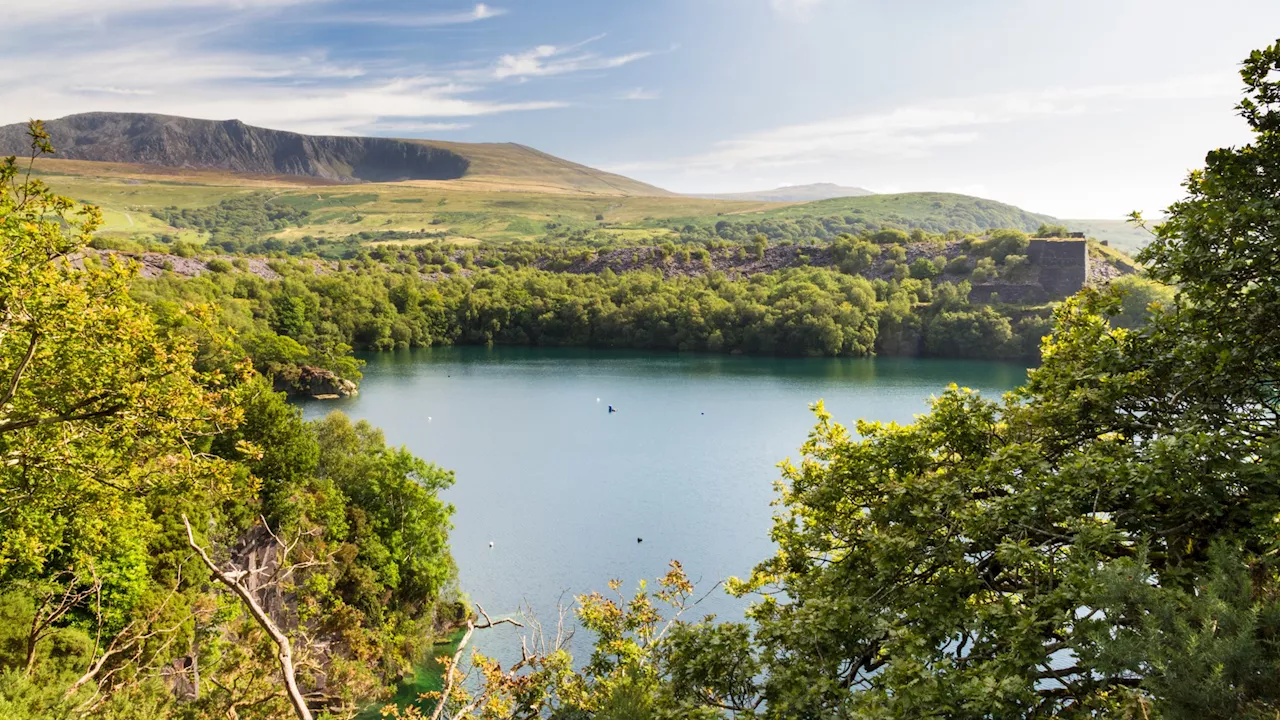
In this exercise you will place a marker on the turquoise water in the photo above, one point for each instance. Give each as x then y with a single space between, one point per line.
563 488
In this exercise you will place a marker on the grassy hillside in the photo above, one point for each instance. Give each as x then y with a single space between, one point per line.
509 166
495 204
935 212
793 193
1117 233
464 210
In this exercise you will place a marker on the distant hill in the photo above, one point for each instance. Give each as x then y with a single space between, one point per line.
230 145
794 193
932 211
1119 234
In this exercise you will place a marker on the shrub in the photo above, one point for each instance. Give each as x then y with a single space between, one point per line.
922 268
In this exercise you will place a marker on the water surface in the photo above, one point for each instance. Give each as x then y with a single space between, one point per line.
564 489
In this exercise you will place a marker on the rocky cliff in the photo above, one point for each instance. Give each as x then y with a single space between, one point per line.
231 145
312 382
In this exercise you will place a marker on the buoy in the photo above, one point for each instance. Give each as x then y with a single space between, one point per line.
597 399
490 543
428 418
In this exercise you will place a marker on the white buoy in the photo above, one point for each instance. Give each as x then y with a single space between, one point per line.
428 418
597 399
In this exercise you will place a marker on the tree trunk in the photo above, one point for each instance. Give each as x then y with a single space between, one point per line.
264 620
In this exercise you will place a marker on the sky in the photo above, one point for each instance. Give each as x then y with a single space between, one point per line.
1079 109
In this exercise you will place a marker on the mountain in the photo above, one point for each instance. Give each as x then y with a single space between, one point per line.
795 193
230 145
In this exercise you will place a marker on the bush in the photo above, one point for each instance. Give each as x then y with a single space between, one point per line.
923 268
891 236
985 271
959 265
1059 231
218 265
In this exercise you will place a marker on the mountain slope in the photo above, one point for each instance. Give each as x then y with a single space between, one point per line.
232 146
794 193
932 211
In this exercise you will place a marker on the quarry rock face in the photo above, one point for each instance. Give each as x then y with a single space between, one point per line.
1060 267
312 382
231 145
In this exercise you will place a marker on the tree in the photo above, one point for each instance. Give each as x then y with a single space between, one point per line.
1100 543
1046 230
103 416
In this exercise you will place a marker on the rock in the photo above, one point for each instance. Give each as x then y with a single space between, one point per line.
177 142
312 382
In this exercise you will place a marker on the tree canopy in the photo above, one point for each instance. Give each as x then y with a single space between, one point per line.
1101 542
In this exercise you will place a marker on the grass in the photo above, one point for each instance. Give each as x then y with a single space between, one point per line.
128 195
490 205
1119 234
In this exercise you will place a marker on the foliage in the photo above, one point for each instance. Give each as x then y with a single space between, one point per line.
116 418
799 311
827 219
1099 543
235 222
1046 230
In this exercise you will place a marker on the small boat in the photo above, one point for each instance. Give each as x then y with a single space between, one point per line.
612 410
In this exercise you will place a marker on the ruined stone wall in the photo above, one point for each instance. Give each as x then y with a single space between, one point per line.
1063 265
1025 294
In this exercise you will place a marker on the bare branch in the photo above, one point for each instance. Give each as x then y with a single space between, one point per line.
264 620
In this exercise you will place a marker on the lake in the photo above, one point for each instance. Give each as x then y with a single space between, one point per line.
563 488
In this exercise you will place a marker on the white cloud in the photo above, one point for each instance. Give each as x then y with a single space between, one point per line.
306 94
641 94
545 60
111 90
50 11
480 12
154 56
919 130
410 126
796 9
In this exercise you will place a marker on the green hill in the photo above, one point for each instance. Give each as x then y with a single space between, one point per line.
932 211
1120 234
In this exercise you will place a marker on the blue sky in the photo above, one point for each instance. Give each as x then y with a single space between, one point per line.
1088 108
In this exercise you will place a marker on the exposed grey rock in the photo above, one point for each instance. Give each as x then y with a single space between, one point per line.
176 142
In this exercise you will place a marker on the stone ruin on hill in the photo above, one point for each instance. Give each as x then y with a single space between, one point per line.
1060 268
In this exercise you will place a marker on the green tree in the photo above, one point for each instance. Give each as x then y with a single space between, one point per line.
1099 543
1046 230
103 416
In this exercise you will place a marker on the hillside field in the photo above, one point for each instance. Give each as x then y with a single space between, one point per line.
492 209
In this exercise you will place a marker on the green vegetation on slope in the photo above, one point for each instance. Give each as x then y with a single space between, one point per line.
798 311
118 423
1120 234
825 219
470 212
